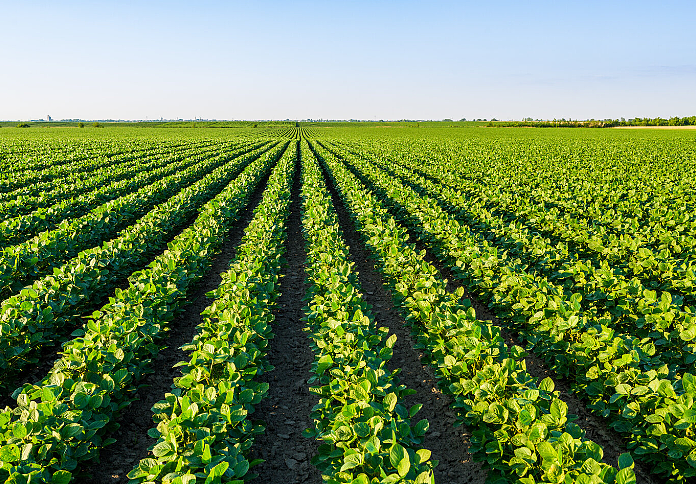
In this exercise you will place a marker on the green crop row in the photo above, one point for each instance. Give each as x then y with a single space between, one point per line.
34 258
132 165
366 429
22 227
651 406
607 296
662 253
50 154
563 247
79 169
640 191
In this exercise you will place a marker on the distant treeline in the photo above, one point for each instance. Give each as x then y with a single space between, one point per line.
597 123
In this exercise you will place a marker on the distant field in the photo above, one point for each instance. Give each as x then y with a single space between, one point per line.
274 303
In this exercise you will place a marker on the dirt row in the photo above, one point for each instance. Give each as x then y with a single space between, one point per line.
286 409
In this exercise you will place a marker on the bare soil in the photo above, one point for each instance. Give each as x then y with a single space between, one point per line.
288 405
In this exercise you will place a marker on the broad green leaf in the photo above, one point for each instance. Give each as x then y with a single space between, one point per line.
61 477
390 401
547 385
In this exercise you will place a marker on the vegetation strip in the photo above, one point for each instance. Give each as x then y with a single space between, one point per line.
133 164
22 227
620 276
34 258
623 377
665 332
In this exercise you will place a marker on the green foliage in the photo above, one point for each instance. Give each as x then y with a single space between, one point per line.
520 426
70 411
217 389
581 242
576 326
36 315
366 428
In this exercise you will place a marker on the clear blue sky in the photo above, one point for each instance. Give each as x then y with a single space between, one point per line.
349 59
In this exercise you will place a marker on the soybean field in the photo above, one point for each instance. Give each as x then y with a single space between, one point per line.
347 303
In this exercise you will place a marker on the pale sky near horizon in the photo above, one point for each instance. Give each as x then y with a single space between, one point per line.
350 59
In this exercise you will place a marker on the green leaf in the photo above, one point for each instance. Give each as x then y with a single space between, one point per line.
591 467
241 468
625 476
396 454
220 469
688 333
414 409
421 427
559 409
351 461
80 400
424 478
162 449
361 479
325 362
625 461
623 389
547 385
390 402
10 453
650 296
61 477
71 430
689 383
666 390
206 456
538 432
547 452
19 430
404 465
423 455
524 418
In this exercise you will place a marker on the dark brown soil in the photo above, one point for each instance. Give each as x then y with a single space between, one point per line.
448 444
132 441
287 408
